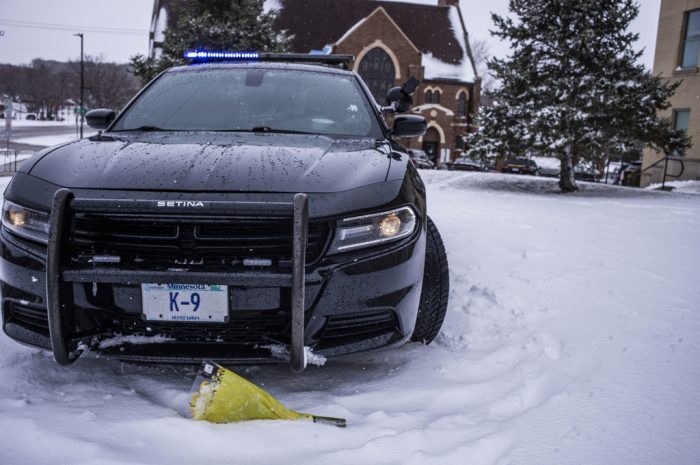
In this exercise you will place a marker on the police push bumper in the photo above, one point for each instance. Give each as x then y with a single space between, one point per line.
59 312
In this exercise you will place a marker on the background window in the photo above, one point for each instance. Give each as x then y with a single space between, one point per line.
432 96
691 41
681 120
462 104
378 72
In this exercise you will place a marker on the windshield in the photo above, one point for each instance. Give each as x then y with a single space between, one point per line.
253 99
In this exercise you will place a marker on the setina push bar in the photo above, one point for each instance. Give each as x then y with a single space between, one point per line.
61 318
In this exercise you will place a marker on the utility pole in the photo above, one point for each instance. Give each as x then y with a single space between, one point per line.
82 84
8 115
8 123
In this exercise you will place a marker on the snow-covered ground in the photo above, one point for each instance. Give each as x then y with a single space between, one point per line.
684 187
50 139
53 139
25 123
572 337
47 141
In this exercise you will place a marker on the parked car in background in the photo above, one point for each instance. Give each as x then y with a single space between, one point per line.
548 166
491 165
521 166
420 159
466 164
550 171
611 174
585 173
630 175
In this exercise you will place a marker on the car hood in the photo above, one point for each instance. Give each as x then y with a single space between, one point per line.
240 162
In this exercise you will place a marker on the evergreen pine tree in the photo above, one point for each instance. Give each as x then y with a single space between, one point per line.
214 25
572 87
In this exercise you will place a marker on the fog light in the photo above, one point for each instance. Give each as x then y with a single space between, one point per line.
390 226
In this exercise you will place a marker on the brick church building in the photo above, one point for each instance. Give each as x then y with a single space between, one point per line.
390 41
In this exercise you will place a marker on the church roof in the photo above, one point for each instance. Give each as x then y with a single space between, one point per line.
317 23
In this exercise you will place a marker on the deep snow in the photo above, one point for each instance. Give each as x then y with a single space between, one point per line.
572 338
684 187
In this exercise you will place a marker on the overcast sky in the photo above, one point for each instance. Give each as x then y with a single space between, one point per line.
118 29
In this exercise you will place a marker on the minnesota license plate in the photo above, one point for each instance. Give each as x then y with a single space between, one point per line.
185 302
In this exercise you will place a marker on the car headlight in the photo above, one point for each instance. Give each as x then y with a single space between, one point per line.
25 222
377 228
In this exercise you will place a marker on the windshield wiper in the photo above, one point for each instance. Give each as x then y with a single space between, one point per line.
279 131
144 129
265 129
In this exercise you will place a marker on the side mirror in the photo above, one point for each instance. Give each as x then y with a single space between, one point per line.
100 118
409 126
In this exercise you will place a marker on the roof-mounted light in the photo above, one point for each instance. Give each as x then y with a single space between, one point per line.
204 55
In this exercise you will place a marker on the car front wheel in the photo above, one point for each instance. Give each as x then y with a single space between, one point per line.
436 289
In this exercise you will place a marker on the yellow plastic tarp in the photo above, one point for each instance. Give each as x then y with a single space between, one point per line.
221 396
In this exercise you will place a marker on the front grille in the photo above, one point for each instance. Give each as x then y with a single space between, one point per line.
270 327
159 243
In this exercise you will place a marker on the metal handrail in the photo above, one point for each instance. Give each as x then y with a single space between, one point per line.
665 160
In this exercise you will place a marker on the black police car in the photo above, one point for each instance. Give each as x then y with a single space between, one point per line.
238 211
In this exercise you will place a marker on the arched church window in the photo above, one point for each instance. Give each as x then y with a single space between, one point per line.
462 104
378 71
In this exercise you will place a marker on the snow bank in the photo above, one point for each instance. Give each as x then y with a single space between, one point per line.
684 187
572 337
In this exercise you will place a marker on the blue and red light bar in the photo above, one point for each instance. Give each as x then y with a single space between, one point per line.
204 56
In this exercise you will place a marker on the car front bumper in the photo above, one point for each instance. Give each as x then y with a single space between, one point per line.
354 302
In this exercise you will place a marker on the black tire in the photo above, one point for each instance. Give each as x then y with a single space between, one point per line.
436 289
